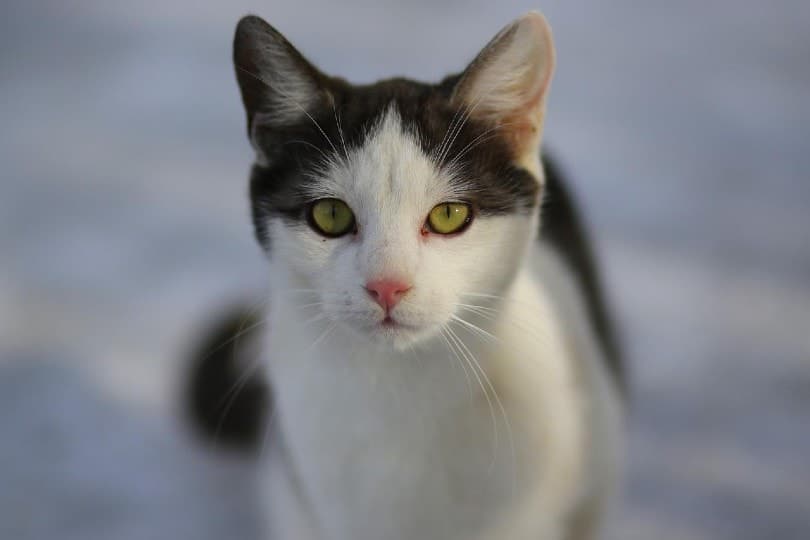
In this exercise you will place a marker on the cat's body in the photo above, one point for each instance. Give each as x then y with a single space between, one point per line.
374 444
433 377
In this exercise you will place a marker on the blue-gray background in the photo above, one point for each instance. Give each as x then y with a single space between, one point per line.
123 227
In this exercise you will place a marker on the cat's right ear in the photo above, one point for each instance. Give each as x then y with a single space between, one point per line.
279 86
508 82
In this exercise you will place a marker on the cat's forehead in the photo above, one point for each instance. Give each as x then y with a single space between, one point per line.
412 138
390 164
354 115
404 141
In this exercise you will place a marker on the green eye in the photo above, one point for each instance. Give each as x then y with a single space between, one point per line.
448 218
331 217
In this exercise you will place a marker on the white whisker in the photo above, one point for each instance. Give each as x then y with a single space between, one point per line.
473 365
461 363
477 329
340 133
508 424
283 94
233 393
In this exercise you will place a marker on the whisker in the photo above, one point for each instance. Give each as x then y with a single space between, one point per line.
323 336
440 149
495 315
461 125
482 138
453 133
241 381
293 101
455 116
298 291
474 306
498 297
309 144
316 318
340 132
268 428
477 329
234 392
234 339
461 363
313 304
473 363
510 435
490 317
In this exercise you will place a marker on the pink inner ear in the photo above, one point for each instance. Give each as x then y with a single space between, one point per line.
520 136
519 108
521 126
514 96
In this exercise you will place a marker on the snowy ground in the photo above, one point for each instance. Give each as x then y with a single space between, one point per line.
123 227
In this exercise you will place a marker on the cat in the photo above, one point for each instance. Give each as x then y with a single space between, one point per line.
437 361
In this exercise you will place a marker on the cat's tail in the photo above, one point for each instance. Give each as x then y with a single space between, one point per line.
226 398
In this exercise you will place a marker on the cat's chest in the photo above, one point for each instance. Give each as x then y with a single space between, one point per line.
415 445
391 453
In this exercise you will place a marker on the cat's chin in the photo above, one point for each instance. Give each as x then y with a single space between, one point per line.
397 335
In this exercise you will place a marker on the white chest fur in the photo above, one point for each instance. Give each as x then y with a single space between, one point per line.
502 439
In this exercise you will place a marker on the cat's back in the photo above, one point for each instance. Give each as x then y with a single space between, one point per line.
563 232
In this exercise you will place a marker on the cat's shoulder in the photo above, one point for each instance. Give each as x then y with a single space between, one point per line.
564 231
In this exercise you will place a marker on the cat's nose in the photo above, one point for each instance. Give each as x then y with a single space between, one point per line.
387 292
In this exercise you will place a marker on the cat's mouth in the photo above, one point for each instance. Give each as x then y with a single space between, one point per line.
396 330
393 329
391 323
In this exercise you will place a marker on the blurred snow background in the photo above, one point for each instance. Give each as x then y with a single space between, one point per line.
685 127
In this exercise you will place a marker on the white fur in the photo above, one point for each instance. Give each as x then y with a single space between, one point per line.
389 434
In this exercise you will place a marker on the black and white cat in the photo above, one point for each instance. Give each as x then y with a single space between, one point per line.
437 371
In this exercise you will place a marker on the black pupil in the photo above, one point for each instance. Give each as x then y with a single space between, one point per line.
447 207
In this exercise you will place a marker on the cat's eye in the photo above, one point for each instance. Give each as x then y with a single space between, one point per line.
449 218
331 217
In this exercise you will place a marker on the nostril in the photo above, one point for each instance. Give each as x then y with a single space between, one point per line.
396 293
374 293
387 292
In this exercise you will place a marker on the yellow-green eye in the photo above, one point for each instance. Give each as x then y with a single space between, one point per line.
448 218
331 217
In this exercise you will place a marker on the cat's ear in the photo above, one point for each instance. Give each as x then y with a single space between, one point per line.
507 83
279 86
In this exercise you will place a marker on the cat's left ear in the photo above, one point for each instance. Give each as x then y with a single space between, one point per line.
507 83
280 88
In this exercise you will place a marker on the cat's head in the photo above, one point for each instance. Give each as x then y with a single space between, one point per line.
392 205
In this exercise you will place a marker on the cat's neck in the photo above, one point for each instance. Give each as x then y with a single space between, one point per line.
316 366
442 371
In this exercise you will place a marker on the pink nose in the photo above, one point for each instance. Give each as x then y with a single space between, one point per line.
387 292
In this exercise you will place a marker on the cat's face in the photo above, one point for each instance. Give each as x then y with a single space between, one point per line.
392 275
393 207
